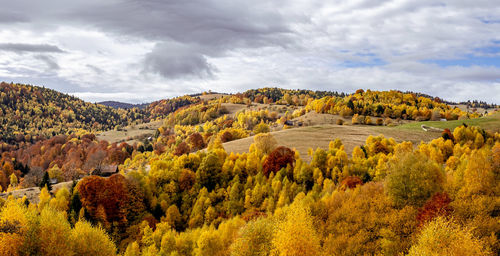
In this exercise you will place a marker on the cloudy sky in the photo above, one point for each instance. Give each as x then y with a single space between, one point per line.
144 50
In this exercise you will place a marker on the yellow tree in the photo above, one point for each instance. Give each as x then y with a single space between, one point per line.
264 143
446 238
88 240
295 235
56 238
413 179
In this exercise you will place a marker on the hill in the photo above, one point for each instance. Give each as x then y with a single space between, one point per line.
31 113
117 104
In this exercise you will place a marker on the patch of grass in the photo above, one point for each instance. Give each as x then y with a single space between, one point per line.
491 123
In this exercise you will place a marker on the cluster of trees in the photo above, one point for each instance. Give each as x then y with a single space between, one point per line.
161 108
44 229
281 96
387 198
391 104
63 157
478 104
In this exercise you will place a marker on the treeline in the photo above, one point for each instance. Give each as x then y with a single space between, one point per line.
284 96
389 104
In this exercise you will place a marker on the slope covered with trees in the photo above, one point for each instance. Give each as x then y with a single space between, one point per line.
30 113
182 194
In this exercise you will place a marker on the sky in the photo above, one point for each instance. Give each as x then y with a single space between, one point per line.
143 50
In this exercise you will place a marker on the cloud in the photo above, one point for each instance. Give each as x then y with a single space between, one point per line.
49 61
177 61
22 48
178 47
11 17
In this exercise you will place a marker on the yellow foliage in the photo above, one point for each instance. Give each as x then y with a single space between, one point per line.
444 237
295 235
88 240
56 231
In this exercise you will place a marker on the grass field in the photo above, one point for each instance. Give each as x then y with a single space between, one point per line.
131 134
491 123
320 136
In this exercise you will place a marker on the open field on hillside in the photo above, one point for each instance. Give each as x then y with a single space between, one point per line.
491 123
464 108
131 134
33 193
320 136
212 96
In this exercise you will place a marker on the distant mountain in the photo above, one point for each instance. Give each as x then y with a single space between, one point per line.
124 105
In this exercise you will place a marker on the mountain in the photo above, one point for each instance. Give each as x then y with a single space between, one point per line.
124 105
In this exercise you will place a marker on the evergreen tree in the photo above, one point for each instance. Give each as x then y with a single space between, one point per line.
46 181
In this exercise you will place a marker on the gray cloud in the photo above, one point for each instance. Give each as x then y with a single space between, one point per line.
49 61
230 45
177 61
95 69
190 30
22 48
12 17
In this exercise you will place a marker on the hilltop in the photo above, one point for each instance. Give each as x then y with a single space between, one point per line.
117 104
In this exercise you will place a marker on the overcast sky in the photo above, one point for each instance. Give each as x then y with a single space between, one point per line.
145 50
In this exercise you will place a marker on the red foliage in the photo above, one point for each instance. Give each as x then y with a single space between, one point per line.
181 149
279 158
196 141
227 123
186 179
438 205
226 136
253 214
447 135
111 193
351 182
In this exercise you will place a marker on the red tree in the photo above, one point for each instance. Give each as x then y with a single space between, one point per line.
351 182
111 193
438 205
181 149
277 159
196 141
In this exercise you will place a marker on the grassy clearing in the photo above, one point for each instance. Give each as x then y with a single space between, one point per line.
131 134
320 136
491 123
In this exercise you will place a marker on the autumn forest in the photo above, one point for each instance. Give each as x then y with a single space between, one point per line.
183 181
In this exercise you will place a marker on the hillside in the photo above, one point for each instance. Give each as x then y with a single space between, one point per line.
237 174
30 113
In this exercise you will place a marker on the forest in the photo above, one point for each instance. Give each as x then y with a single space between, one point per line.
181 193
